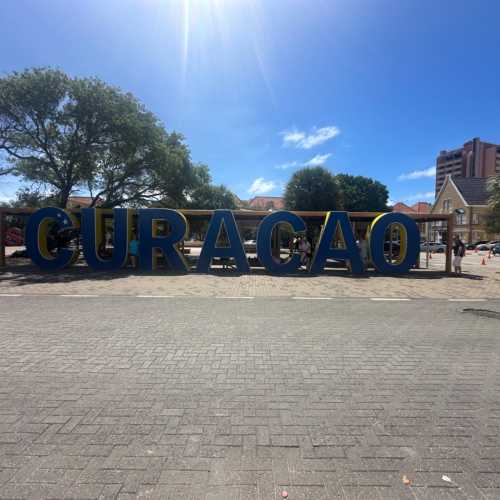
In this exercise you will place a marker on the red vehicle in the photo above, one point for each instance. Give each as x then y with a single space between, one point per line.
14 237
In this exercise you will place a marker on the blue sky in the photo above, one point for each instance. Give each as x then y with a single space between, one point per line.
262 87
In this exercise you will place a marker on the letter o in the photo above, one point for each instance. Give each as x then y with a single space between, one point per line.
410 243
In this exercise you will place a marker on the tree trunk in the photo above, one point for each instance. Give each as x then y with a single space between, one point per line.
63 197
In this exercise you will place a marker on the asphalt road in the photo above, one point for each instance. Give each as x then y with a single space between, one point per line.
170 398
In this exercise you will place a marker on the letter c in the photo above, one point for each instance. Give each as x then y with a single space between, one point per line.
37 231
264 236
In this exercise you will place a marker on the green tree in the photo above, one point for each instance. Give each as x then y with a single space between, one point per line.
493 219
33 198
362 194
65 134
209 197
312 189
7 167
6 170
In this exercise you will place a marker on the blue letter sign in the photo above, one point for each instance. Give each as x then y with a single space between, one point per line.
50 231
150 242
264 251
409 242
43 236
92 234
324 250
235 249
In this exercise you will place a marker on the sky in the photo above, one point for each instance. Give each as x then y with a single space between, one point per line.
261 88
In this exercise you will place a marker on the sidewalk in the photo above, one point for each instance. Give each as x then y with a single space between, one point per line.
479 281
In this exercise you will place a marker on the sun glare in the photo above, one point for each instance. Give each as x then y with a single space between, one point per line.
213 28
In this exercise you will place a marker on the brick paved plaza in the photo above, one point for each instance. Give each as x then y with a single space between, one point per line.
479 281
219 398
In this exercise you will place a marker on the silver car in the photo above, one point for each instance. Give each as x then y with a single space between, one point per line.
433 247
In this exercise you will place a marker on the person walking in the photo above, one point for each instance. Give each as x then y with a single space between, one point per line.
459 253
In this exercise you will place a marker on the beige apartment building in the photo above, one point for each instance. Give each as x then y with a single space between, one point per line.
470 196
474 159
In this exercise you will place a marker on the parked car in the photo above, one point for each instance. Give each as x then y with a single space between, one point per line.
250 245
484 247
440 247
433 247
475 244
491 244
396 248
496 249
424 245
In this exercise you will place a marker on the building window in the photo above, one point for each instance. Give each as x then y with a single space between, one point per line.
447 205
476 219
460 219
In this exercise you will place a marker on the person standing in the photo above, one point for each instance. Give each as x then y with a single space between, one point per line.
305 251
363 248
459 253
292 245
133 250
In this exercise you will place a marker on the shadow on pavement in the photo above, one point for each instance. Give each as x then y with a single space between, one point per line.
28 274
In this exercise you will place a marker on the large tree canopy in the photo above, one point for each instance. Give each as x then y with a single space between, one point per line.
209 197
66 134
312 189
362 194
6 166
27 197
493 220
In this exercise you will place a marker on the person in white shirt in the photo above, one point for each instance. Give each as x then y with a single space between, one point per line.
363 249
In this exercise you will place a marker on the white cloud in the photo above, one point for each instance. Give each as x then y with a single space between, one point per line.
313 162
285 166
429 195
318 160
317 136
9 184
293 137
261 186
418 174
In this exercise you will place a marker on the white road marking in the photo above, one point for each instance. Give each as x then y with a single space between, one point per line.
312 298
10 295
467 300
233 297
83 295
388 299
155 296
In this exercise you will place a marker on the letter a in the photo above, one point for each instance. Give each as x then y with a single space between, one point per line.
324 250
210 248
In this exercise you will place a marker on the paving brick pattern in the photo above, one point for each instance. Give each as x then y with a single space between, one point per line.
479 281
232 399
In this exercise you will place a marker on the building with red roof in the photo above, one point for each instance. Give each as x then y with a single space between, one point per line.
421 207
266 203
